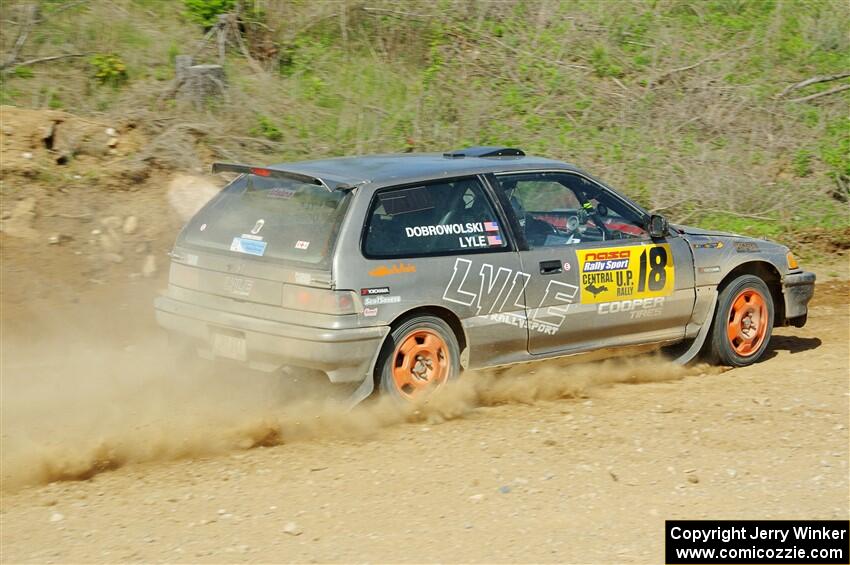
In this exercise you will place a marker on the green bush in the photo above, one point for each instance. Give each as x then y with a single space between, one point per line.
206 12
109 69
24 72
266 128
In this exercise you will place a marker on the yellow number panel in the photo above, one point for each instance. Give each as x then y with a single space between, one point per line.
609 274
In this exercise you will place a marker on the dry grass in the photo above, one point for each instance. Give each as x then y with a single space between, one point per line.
678 103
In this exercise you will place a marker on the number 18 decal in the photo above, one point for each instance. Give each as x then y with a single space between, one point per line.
621 273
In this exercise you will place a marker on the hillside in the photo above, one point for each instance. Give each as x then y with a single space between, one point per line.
690 107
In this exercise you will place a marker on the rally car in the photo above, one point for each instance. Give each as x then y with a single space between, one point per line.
397 272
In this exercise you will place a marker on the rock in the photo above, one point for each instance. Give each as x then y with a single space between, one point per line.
112 222
292 529
693 479
109 243
110 132
19 220
114 257
504 489
56 517
26 155
131 224
476 498
113 141
58 238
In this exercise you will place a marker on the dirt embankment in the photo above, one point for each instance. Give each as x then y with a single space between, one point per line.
84 204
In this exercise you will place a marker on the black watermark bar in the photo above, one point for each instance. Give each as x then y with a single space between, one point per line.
757 541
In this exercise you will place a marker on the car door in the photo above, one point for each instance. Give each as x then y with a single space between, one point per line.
597 278
444 243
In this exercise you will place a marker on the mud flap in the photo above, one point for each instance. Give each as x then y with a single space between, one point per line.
361 393
366 387
699 340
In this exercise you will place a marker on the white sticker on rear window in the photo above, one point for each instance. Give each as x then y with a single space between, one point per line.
249 246
279 192
302 244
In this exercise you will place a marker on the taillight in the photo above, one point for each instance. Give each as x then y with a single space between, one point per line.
319 300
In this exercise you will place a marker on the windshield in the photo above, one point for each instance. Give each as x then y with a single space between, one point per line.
277 218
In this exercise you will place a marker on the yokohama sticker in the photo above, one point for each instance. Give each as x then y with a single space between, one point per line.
374 291
621 273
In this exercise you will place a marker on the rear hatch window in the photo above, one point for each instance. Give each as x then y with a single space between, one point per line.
275 218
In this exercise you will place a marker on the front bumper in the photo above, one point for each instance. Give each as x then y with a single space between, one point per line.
798 289
345 355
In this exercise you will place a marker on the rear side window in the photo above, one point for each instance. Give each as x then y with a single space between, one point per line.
277 218
433 219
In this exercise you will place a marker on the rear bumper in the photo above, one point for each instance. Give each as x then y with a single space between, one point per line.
346 355
798 289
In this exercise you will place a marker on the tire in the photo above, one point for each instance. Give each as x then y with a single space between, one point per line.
743 322
420 355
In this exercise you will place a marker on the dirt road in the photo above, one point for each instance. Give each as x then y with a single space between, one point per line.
559 464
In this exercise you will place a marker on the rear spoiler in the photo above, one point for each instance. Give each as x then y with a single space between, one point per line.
329 184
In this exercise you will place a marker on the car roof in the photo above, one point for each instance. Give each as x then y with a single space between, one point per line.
383 170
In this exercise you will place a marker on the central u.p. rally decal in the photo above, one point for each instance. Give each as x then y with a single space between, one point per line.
622 273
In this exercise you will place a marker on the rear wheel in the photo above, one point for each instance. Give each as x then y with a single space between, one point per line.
743 322
420 356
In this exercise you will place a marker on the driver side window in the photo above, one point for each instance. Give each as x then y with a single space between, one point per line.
556 209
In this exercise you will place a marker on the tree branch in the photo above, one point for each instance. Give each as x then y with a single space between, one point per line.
835 90
41 60
396 13
29 21
813 80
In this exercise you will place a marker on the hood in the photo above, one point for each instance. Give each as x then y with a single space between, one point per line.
688 230
697 233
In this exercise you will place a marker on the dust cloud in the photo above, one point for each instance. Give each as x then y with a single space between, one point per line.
188 193
72 409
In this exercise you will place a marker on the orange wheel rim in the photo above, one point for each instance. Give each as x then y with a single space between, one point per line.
747 322
420 362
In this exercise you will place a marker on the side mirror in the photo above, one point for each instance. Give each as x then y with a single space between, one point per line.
658 226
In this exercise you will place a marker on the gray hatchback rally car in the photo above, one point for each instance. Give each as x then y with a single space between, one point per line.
399 271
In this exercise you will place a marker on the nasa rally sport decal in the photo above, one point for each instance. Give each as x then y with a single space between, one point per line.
610 274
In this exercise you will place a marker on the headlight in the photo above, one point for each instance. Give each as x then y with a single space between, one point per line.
792 262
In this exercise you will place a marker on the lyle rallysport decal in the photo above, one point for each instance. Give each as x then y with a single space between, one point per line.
499 293
620 273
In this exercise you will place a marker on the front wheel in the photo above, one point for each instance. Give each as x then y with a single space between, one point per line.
743 322
420 356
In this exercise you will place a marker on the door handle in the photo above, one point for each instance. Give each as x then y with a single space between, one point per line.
550 267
